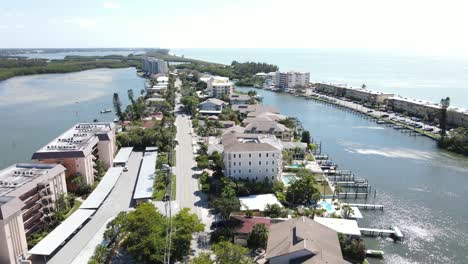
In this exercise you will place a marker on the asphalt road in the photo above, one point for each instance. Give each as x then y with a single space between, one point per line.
120 199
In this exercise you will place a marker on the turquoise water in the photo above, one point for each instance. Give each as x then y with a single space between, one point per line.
327 206
35 109
429 78
295 166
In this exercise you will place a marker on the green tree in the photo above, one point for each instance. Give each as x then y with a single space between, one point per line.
101 255
228 253
118 107
444 103
202 258
275 211
258 238
302 190
185 225
224 206
115 230
305 137
347 211
202 161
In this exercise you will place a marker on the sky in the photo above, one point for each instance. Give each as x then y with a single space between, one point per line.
425 26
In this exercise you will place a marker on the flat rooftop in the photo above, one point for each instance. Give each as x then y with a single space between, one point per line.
145 182
76 139
345 226
19 174
123 155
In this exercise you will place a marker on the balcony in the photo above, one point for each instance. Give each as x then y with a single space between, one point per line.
29 212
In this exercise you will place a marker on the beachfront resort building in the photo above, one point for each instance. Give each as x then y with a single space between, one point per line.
27 202
219 86
302 240
252 156
152 66
291 80
79 148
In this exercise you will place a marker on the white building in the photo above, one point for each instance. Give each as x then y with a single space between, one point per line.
291 80
219 86
27 202
152 66
253 157
79 147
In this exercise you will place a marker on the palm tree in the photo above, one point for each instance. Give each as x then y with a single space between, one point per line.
444 103
363 86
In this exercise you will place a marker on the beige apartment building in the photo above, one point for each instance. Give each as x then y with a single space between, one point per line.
79 148
27 202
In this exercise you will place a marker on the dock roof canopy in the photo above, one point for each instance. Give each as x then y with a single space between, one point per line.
105 186
61 233
144 187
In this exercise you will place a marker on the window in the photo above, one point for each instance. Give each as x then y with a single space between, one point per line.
256 178
250 163
234 163
240 171
260 163
266 170
273 154
250 171
267 162
239 163
272 178
259 155
240 156
234 171
273 162
234 155
267 155
250 155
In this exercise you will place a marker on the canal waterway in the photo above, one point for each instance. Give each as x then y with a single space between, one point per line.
422 188
35 109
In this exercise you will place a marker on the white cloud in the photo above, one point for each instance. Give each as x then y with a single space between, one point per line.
111 5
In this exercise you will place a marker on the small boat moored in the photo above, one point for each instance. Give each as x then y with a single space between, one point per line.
106 111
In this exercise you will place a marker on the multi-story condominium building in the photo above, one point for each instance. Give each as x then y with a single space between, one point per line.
291 80
79 147
253 157
154 66
360 94
27 201
219 86
428 111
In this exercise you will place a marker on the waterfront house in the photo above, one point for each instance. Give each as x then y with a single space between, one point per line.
236 99
212 106
270 128
245 109
302 240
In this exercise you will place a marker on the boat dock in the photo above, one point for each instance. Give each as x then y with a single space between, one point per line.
393 233
366 206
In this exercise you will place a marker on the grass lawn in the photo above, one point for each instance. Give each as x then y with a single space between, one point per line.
73 209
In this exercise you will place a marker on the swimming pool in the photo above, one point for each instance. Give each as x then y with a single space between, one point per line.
327 206
288 178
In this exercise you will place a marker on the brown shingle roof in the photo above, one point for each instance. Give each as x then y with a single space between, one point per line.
303 233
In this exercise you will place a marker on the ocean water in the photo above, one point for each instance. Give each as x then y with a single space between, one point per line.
428 78
35 109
